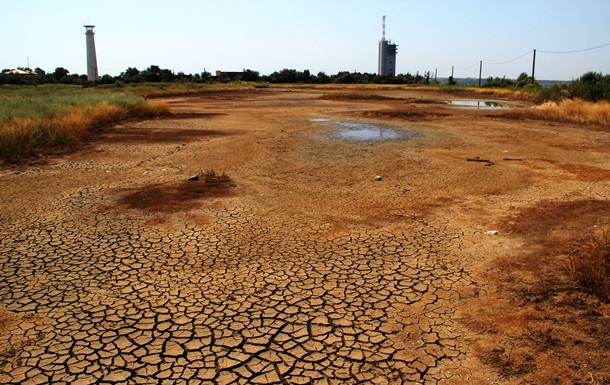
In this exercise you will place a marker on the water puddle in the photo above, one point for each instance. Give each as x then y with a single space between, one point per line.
482 104
362 132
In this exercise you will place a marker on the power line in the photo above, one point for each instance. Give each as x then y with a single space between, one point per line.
511 60
578 50
467 68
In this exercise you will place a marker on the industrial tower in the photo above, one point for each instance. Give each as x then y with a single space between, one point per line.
91 58
387 54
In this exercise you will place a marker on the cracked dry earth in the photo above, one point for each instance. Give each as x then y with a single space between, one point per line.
299 269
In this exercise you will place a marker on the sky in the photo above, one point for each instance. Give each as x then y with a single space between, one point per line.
328 36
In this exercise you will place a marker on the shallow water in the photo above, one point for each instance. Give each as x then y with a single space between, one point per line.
480 104
362 131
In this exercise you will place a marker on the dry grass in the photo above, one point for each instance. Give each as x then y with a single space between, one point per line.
570 110
590 266
167 90
38 118
501 92
211 177
355 97
533 323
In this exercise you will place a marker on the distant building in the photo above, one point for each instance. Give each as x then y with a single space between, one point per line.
387 58
20 72
387 55
92 74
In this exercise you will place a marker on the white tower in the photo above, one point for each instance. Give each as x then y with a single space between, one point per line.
92 74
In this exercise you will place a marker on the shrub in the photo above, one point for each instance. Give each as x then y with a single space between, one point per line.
592 87
498 82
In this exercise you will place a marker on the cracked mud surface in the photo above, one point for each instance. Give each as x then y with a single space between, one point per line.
114 268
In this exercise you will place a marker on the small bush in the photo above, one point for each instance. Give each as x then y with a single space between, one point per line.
591 266
592 87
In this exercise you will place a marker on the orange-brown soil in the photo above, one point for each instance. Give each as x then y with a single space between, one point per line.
544 187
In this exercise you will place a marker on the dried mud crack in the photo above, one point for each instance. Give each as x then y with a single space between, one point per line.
242 301
299 266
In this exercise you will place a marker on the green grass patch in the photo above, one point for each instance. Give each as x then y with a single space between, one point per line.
42 116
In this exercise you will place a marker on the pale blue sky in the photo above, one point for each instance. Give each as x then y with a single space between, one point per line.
319 35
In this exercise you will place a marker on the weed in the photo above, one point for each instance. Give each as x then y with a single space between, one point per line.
210 177
591 266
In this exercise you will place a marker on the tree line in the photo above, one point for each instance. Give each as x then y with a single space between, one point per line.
156 74
592 86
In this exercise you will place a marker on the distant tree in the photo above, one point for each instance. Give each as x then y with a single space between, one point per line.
284 76
167 75
344 77
131 72
591 86
499 82
322 78
152 74
524 80
60 73
106 79
205 75
250 76
304 77
403 79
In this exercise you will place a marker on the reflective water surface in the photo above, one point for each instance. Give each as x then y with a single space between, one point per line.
482 104
362 131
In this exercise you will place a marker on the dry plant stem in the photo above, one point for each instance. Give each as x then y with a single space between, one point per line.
591 266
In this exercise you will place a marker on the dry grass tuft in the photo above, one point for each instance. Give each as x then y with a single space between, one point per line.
210 177
500 92
590 266
571 110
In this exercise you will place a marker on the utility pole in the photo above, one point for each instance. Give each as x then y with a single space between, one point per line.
480 71
435 71
533 66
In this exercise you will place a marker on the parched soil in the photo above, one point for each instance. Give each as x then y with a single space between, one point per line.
294 263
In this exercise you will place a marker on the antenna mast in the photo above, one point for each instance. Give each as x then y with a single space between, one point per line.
383 28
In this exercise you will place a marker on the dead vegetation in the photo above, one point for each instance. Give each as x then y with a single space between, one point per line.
569 110
210 178
179 196
590 265
543 320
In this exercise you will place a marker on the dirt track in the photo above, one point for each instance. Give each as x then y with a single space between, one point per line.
301 269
